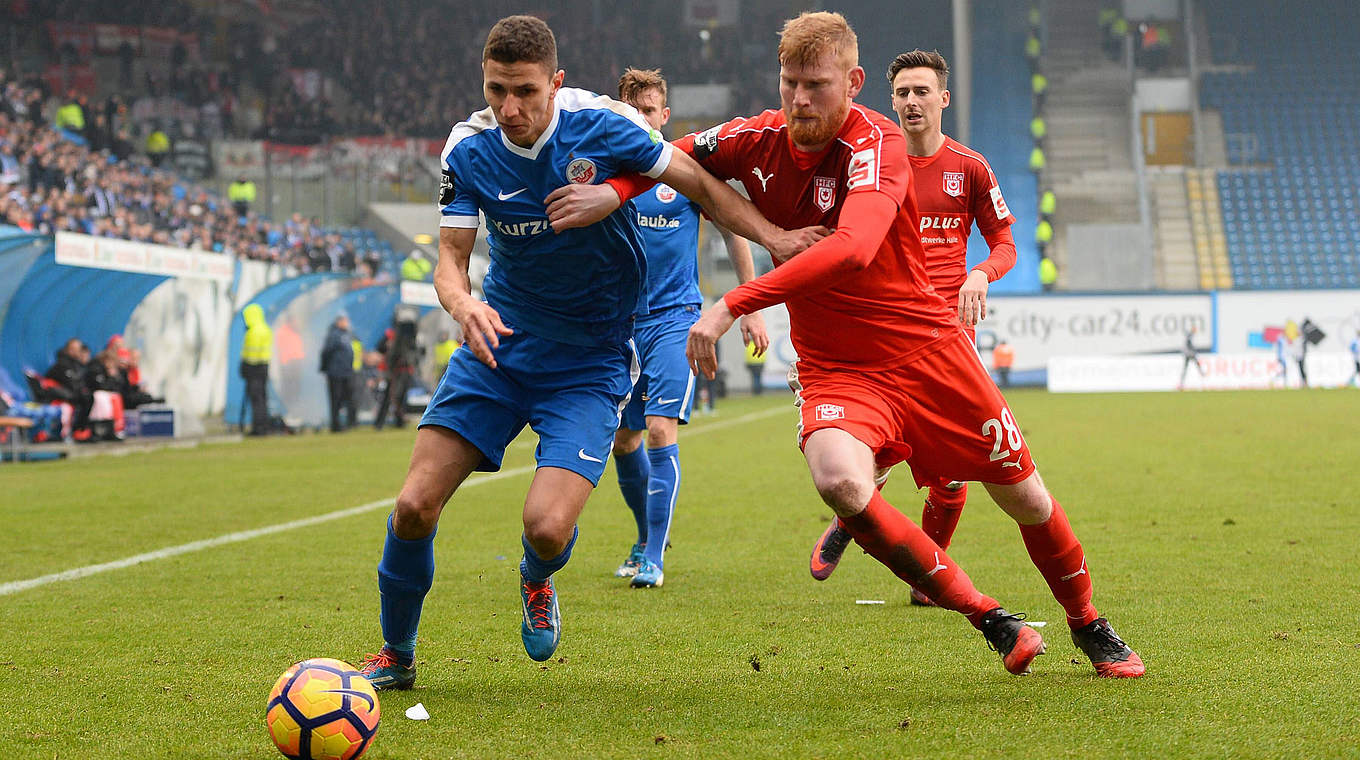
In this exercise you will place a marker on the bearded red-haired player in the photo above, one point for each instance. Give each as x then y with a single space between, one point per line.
955 189
882 362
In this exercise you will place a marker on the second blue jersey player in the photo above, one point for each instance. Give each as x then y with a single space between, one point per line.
662 398
551 346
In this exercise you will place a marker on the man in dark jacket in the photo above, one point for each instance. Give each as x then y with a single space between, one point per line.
69 371
337 363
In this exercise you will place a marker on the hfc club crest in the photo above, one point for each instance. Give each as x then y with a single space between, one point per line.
953 183
824 192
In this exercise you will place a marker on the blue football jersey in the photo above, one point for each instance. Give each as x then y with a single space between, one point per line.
670 235
581 286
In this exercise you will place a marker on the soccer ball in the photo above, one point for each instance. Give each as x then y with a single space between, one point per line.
322 709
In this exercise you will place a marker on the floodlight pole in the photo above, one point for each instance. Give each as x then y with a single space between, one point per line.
961 76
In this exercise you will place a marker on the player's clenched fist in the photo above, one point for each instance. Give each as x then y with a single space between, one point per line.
482 328
789 243
701 348
576 205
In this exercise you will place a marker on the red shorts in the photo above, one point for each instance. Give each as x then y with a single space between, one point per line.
940 413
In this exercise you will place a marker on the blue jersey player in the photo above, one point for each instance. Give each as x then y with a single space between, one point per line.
550 346
662 398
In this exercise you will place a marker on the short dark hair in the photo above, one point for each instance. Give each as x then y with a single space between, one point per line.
921 59
634 82
521 39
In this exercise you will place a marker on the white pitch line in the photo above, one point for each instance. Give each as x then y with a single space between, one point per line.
14 587
229 538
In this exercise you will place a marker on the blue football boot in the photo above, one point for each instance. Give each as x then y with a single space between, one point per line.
648 576
542 626
385 672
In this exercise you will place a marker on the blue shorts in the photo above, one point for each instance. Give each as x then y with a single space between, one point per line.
570 395
666 386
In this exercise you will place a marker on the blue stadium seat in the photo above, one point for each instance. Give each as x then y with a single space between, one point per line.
1296 224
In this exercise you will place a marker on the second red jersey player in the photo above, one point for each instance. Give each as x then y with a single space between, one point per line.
955 189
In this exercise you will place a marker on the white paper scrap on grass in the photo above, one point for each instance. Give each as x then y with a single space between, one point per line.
870 601
417 712
1035 623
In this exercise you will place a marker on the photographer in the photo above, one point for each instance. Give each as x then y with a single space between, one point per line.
401 353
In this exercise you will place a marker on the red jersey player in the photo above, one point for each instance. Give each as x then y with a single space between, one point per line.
885 372
955 189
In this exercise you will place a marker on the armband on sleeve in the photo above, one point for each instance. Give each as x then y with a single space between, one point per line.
629 186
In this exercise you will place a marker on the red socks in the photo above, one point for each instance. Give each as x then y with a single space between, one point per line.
940 515
893 539
1057 553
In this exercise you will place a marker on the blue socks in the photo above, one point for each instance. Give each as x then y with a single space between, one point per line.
633 472
404 577
538 570
662 487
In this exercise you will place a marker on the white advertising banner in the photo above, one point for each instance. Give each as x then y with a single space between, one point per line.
1237 371
1042 327
1134 341
1251 320
143 258
419 294
182 328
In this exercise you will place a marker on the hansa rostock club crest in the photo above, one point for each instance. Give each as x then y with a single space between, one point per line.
581 171
953 183
824 192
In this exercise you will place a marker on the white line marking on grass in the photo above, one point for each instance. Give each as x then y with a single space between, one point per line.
14 587
229 538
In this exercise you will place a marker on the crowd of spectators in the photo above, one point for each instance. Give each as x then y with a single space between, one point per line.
175 14
407 69
50 183
413 68
177 88
403 68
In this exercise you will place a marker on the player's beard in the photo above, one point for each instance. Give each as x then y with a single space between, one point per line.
819 132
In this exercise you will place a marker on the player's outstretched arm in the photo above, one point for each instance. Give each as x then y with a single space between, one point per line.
733 212
865 218
572 205
482 326
864 221
739 252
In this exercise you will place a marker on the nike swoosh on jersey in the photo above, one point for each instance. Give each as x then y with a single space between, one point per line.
508 196
582 454
657 491
664 401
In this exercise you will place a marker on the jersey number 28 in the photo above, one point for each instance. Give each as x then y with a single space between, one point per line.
1006 432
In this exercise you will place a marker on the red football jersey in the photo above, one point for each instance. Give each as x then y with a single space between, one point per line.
955 188
879 316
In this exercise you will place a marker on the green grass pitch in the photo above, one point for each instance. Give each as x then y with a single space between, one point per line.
1222 532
